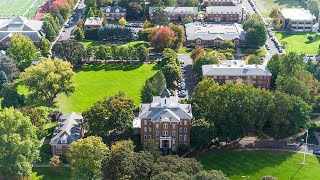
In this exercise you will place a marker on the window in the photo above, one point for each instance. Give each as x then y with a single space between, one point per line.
145 137
149 137
157 140
165 133
185 122
157 133
173 133
185 129
145 129
58 150
173 140
180 129
185 138
180 137
165 126
145 122
157 126
173 126
150 129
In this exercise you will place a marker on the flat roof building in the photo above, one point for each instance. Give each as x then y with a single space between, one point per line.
232 70
301 19
207 34
93 23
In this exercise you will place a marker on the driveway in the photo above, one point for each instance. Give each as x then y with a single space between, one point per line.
190 79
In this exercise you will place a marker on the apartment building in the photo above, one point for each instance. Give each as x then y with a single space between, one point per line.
235 13
114 12
165 121
93 23
233 70
302 20
178 13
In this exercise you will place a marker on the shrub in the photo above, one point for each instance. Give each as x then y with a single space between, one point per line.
310 38
55 115
91 34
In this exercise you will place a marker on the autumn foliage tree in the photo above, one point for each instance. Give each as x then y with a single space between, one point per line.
161 38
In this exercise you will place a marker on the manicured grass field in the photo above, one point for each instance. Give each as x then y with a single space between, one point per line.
255 164
298 42
46 174
97 81
25 8
265 6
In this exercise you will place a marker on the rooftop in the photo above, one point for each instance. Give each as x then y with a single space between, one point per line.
93 21
206 31
235 69
224 9
113 9
177 10
297 14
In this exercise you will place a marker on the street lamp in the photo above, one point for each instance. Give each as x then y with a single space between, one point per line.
305 150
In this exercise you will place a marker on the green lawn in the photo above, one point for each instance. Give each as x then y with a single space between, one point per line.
184 50
97 81
298 42
86 43
255 164
47 174
265 6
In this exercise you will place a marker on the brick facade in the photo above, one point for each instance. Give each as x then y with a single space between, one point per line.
255 81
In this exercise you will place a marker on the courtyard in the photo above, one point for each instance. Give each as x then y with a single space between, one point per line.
265 6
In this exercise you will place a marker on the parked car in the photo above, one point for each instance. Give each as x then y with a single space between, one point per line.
182 94
316 152
280 51
182 86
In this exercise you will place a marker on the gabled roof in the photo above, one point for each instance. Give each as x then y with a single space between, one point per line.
68 128
177 10
113 9
165 93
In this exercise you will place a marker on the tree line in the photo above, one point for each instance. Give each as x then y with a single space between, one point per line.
234 110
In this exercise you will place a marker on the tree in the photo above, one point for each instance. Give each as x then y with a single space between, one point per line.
275 13
201 133
274 67
153 87
159 82
186 20
147 92
254 59
171 176
49 31
110 118
79 35
142 53
151 147
10 95
159 16
17 136
212 174
289 29
135 11
3 79
147 24
227 44
55 164
179 35
161 38
39 116
86 157
9 67
191 3
104 52
172 73
313 6
122 22
104 22
90 13
70 50
256 32
48 79
204 60
22 50
197 53
44 47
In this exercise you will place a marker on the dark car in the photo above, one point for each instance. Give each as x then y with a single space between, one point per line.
316 152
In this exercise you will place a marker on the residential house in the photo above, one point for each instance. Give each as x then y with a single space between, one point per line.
210 35
207 3
114 12
233 70
235 13
302 20
22 25
68 129
178 13
165 121
93 23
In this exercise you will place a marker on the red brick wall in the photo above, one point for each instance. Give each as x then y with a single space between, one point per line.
223 17
64 150
181 16
206 3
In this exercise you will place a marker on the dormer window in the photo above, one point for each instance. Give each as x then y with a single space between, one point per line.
63 139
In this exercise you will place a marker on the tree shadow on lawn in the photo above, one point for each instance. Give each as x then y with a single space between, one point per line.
46 173
288 3
110 67
244 163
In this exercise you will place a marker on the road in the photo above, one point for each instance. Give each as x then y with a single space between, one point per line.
190 79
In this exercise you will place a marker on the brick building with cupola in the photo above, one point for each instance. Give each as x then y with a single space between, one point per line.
166 121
